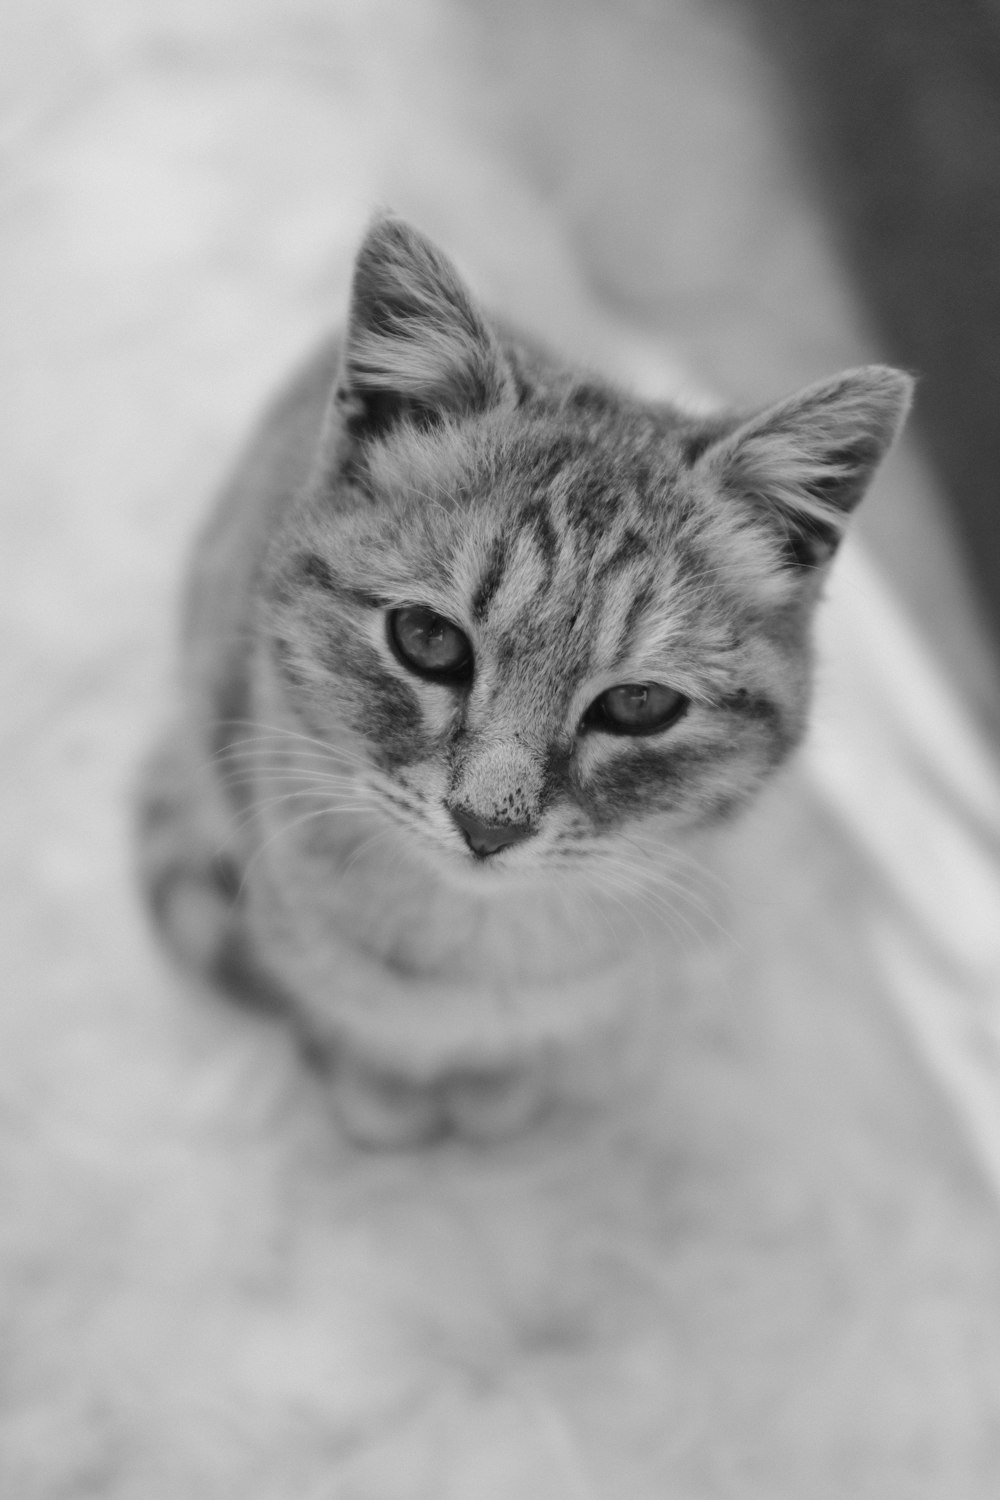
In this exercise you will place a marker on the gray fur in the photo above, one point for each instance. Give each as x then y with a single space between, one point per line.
581 539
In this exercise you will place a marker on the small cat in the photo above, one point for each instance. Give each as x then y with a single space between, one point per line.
473 636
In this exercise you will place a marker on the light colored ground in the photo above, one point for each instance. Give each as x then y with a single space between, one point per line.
203 1294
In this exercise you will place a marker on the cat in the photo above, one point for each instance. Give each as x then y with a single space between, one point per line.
474 644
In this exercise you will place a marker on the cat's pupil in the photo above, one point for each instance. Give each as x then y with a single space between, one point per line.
429 644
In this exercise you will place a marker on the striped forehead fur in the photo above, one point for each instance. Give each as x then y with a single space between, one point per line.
518 525
507 544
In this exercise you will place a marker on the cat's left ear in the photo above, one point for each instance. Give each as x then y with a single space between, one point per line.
805 463
417 346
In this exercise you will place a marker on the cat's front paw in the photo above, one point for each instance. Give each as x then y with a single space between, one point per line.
496 1104
384 1110
389 1111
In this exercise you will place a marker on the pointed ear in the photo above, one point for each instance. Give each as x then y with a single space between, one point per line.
805 463
416 343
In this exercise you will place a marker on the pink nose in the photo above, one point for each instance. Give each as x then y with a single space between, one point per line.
488 838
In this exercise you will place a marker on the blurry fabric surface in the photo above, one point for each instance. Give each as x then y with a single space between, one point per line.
787 1282
900 110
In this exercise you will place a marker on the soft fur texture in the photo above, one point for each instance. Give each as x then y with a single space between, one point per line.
304 824
771 1269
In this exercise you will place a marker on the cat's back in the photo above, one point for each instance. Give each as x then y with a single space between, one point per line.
229 551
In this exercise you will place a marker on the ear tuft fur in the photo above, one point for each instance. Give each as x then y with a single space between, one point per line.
806 462
416 344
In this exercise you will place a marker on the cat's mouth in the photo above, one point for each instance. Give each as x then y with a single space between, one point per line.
499 864
464 867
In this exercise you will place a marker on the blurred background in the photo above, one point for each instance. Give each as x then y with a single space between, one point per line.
900 112
724 198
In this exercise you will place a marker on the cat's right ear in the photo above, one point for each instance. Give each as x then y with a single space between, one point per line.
417 346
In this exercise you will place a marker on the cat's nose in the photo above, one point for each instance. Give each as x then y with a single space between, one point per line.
487 838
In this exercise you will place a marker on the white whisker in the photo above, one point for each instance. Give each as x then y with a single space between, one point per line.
246 819
288 826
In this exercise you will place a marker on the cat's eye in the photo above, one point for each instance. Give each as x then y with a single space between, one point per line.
635 708
430 645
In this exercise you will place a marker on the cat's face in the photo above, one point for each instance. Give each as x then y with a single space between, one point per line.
530 613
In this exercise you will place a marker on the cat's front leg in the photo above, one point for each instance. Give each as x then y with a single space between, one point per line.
191 870
413 1059
390 1110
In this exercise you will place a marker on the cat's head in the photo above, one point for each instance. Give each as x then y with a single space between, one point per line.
530 609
